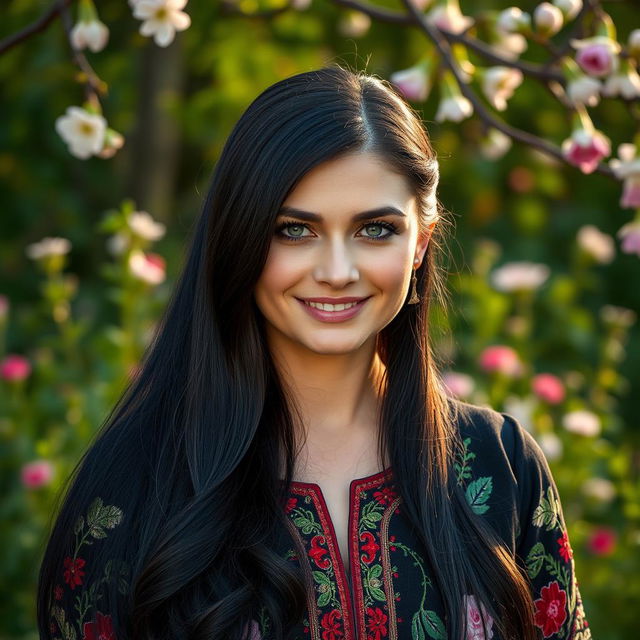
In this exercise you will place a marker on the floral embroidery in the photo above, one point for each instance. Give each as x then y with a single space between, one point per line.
370 547
100 629
475 629
376 623
316 552
550 609
331 627
74 624
565 547
391 594
73 572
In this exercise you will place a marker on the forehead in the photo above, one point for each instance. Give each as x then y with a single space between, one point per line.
351 183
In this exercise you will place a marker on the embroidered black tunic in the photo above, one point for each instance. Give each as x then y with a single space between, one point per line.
389 591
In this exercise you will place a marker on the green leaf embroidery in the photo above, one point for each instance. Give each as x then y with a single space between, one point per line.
306 522
68 632
371 515
478 493
427 623
463 470
547 512
373 582
101 517
535 560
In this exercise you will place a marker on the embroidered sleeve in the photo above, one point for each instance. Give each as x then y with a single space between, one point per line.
543 544
79 610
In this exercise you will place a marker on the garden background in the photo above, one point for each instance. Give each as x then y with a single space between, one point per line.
78 323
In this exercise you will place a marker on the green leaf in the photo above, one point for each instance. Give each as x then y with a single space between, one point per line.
101 517
478 493
535 560
433 625
547 512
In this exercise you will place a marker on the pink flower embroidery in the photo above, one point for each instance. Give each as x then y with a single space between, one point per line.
475 629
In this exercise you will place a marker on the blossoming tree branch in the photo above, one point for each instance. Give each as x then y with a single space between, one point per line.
475 62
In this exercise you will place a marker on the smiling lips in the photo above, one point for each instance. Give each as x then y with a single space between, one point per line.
333 309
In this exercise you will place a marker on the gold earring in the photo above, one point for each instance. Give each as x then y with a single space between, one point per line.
414 299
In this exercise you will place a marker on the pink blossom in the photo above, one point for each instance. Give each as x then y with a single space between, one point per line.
458 384
602 541
597 56
629 235
149 267
630 198
14 368
413 83
584 149
548 388
475 628
500 358
37 474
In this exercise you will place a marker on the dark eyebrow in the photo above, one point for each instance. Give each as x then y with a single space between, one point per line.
364 215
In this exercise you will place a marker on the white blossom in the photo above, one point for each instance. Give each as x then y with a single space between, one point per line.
570 8
584 90
600 246
520 276
495 144
599 488
448 17
48 247
83 131
499 83
143 225
583 422
548 18
455 108
92 34
162 18
550 444
625 83
513 19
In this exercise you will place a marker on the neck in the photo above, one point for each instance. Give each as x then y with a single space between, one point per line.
337 397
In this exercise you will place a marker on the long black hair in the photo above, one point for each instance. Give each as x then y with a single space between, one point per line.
190 455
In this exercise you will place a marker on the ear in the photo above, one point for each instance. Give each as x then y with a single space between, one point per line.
423 242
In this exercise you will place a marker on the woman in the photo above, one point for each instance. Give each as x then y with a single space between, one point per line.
286 463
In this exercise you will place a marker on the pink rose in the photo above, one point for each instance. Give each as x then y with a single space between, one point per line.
475 629
253 632
602 541
14 368
584 149
548 388
37 474
500 358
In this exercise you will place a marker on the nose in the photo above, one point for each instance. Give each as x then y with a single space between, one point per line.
336 266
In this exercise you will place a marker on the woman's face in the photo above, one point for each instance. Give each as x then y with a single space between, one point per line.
332 244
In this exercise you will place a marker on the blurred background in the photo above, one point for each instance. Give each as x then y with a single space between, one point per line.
541 320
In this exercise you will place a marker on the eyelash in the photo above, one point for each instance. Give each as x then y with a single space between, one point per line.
374 223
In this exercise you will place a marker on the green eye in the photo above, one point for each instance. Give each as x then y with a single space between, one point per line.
375 226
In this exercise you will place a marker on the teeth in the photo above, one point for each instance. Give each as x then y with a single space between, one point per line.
331 307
